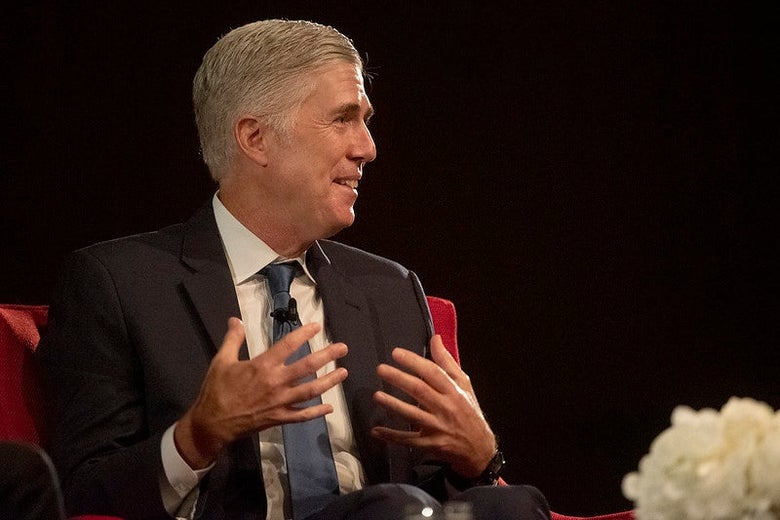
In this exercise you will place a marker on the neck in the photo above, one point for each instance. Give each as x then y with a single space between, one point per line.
267 224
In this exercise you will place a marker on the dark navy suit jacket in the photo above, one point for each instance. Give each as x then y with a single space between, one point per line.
133 327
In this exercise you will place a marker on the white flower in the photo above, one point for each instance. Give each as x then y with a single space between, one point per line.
711 465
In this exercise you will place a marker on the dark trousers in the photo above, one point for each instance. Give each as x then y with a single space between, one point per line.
29 489
402 502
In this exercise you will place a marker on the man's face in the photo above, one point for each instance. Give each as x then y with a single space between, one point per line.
315 170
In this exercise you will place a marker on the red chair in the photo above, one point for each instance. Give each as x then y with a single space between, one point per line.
20 331
20 327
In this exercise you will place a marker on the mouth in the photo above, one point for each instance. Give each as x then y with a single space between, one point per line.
352 183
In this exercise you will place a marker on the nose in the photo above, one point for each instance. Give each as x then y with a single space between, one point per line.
364 149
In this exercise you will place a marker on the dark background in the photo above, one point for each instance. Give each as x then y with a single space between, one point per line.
611 168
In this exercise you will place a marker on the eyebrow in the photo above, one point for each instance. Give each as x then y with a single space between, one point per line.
354 108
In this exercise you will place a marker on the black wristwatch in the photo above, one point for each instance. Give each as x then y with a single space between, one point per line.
489 477
492 472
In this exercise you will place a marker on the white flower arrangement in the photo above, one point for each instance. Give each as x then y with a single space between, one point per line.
711 465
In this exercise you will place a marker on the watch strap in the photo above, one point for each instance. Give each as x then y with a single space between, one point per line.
489 477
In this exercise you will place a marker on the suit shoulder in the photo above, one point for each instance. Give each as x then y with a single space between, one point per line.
359 260
164 242
156 245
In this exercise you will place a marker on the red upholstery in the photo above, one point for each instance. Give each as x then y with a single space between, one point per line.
20 329
445 323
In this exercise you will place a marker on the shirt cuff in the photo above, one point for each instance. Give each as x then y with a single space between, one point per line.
179 479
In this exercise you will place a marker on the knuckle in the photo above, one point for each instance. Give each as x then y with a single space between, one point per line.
310 364
310 392
417 389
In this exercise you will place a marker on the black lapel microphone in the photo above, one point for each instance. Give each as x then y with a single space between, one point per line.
289 314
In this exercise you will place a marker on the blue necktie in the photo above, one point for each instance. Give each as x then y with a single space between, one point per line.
310 467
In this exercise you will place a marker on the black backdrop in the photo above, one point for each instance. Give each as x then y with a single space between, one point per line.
610 168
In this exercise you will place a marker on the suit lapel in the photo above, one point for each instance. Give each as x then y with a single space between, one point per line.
210 287
347 313
236 481
348 319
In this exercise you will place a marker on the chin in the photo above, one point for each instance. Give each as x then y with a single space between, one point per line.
338 226
333 219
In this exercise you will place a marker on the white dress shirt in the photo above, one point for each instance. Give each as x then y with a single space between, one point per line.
247 255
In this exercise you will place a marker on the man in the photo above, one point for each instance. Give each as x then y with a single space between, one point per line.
165 403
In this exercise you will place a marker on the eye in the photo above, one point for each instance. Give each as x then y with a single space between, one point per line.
342 118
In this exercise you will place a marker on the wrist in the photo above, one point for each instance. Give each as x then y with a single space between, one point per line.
489 476
197 449
492 472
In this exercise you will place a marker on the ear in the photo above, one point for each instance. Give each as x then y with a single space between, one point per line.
252 139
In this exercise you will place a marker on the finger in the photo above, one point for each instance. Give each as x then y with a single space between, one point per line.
292 341
443 358
231 343
414 439
311 363
294 414
412 385
453 399
409 411
397 436
426 369
316 387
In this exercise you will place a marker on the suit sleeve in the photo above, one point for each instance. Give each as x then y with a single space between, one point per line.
96 427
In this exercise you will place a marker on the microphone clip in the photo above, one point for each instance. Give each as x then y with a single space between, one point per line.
289 314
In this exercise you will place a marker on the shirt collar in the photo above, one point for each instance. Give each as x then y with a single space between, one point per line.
246 253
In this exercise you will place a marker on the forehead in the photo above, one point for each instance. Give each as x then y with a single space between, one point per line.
337 83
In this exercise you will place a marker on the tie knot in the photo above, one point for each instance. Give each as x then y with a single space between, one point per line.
280 276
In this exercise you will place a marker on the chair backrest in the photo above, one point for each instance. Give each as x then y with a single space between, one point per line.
445 323
20 331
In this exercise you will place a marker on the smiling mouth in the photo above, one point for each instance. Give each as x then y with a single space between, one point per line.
352 183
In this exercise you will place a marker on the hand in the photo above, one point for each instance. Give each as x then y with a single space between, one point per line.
449 420
238 398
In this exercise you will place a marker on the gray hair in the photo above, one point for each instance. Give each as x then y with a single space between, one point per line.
259 68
